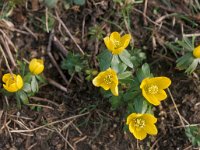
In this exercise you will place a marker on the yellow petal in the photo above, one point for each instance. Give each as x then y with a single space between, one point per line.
150 98
6 77
130 118
149 118
118 50
96 81
32 65
144 83
41 61
38 69
115 36
161 82
137 132
11 88
161 95
151 129
125 40
19 82
108 44
114 90
196 52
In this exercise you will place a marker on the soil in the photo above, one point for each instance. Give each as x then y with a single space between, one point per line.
80 118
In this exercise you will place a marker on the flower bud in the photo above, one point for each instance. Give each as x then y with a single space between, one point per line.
36 66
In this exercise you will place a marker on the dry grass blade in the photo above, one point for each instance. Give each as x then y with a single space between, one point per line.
7 64
48 124
172 98
44 100
57 85
52 58
68 32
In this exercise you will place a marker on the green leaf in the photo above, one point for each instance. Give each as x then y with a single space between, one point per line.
130 108
18 100
193 134
115 63
116 101
121 67
192 67
50 3
22 67
125 58
137 57
104 58
144 72
73 63
129 96
41 79
79 2
23 97
184 61
34 84
140 104
28 77
27 87
124 75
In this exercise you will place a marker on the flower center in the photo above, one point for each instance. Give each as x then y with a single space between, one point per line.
140 123
108 79
116 43
11 80
152 89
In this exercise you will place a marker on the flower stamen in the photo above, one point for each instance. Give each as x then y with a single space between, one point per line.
152 89
116 43
140 123
108 79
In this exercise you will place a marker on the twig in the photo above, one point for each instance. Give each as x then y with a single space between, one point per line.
191 35
145 11
67 125
172 98
33 145
52 58
152 147
5 44
65 139
48 124
8 40
79 131
60 46
81 139
83 28
56 84
44 100
41 106
46 19
7 64
31 32
68 32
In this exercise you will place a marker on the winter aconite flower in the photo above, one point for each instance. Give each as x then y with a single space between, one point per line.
36 66
115 43
141 124
196 52
12 82
152 89
107 80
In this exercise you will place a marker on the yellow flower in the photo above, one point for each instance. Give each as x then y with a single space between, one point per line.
36 66
107 80
13 82
196 52
152 89
141 124
115 43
